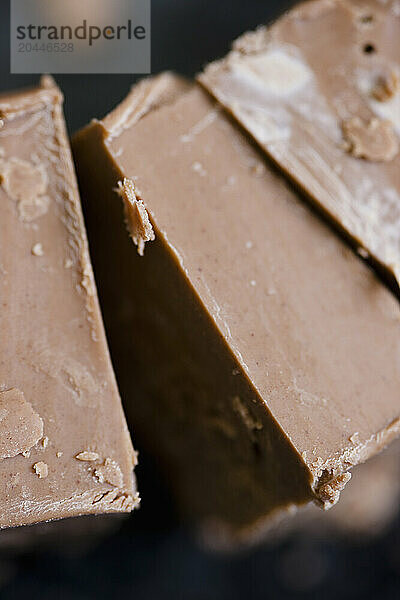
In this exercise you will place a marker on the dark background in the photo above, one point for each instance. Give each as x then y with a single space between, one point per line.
150 555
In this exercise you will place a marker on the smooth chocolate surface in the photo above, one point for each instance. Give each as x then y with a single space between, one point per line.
64 445
266 352
319 90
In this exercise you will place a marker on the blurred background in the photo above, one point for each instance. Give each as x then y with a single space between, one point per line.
352 553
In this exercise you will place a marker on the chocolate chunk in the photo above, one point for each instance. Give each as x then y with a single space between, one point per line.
57 388
249 342
296 92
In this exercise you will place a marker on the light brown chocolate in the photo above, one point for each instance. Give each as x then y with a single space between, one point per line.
319 91
257 355
58 395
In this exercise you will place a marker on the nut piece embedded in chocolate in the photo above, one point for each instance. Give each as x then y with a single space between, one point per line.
386 86
374 140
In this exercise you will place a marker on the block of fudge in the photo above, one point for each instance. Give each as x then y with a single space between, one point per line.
319 90
257 354
65 449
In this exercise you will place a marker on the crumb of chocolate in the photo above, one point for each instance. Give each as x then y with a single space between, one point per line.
41 469
136 215
87 278
110 472
329 493
87 456
59 454
386 87
26 453
45 442
374 140
37 250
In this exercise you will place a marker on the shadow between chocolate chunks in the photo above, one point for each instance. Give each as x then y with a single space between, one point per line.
256 355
